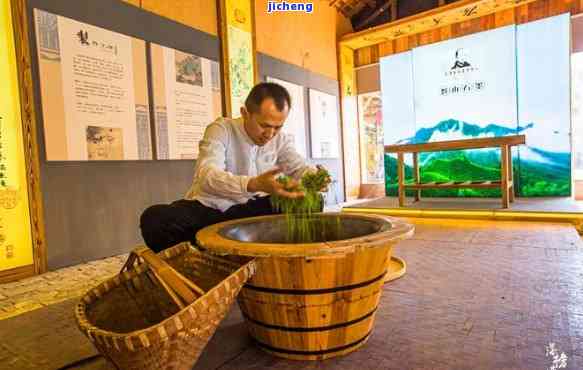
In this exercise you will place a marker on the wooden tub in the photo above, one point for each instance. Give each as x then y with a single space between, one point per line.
310 301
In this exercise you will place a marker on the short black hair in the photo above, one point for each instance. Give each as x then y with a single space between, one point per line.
265 90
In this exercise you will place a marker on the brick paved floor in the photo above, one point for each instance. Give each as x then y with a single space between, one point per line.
477 295
55 286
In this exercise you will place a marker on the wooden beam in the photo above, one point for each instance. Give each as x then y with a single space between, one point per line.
374 15
459 11
467 185
486 142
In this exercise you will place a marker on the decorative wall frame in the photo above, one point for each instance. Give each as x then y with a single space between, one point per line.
238 49
18 14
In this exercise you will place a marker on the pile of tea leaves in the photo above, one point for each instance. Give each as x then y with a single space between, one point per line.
301 226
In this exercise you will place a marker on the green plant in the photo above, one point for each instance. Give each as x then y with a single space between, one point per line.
302 227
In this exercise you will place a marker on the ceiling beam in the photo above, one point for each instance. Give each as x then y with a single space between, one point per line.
455 12
374 15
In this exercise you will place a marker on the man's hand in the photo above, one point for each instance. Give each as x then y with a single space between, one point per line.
267 183
324 188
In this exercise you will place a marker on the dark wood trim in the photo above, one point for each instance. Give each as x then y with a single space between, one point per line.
29 125
17 273
457 144
225 69
256 76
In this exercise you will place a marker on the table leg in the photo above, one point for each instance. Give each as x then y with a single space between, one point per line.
504 176
401 178
510 176
416 175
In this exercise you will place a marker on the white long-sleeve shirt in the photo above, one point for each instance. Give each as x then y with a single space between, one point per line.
228 158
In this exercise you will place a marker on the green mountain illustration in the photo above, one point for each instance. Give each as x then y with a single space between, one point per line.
536 172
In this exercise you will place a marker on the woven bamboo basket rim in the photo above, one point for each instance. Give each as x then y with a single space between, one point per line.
211 239
165 328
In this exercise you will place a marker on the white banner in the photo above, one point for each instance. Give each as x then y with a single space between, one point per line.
469 80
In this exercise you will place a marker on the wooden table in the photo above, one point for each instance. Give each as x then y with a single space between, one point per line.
506 182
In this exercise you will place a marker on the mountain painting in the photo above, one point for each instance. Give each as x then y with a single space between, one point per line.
536 172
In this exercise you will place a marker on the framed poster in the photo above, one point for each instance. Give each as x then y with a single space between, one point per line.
324 124
16 245
187 98
295 124
237 28
93 90
371 138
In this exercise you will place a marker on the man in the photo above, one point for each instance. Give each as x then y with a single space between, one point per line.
236 171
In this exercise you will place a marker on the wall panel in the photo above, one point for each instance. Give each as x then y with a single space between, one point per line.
92 209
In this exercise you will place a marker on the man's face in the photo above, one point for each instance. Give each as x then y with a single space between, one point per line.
264 125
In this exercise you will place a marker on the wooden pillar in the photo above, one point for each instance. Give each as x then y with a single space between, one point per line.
416 175
401 178
504 176
349 122
29 126
510 176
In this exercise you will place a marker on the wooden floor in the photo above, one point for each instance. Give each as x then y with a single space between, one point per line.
476 295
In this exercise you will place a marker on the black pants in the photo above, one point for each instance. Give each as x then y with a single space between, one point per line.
165 225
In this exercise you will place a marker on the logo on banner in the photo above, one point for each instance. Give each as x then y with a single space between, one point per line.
461 72
461 64
460 60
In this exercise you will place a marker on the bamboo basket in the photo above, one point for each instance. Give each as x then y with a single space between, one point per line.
160 314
